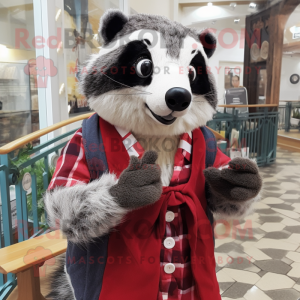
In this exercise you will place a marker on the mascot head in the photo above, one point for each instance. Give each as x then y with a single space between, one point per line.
150 77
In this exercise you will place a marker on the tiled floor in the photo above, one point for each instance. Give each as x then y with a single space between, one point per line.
259 258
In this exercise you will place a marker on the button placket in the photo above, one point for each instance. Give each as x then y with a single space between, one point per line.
169 242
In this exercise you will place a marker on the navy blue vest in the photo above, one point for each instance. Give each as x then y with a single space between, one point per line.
86 264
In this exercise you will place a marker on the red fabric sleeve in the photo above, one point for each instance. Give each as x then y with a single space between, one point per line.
221 159
71 166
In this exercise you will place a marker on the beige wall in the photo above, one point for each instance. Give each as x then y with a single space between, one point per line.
153 7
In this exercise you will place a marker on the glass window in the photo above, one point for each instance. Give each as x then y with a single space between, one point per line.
18 93
81 21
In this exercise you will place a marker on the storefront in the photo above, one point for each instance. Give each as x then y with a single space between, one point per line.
18 93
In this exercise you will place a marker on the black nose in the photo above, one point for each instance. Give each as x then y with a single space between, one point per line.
178 99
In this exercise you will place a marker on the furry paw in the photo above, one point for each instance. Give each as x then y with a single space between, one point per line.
140 184
240 182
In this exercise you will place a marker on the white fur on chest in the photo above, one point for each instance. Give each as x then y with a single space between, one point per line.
166 148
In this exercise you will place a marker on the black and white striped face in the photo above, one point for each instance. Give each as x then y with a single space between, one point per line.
151 81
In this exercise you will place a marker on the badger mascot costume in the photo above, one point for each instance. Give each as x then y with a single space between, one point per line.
136 188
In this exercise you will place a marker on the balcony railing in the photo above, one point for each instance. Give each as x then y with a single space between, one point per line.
23 217
256 130
289 115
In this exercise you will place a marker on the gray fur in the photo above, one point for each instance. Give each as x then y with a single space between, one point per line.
228 210
93 81
140 184
212 97
107 20
61 288
172 32
85 211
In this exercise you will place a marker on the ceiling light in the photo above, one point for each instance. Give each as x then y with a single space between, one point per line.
209 4
232 5
236 21
252 5
295 29
3 50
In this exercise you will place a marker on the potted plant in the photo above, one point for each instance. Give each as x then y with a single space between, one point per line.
38 170
295 117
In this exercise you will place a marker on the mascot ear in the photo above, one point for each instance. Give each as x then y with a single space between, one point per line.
209 42
111 23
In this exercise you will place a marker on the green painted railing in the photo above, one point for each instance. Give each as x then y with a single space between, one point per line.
29 217
257 130
290 115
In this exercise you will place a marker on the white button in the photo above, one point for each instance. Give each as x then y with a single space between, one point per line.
169 243
169 268
170 216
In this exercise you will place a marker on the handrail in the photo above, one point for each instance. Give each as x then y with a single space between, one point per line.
251 105
37 134
217 135
289 100
33 136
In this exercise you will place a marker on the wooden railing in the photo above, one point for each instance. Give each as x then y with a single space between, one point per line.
37 134
249 105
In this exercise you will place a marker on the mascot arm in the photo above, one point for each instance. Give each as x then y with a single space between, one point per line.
232 191
86 211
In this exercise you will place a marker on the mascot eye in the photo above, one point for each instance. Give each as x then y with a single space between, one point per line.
192 73
144 68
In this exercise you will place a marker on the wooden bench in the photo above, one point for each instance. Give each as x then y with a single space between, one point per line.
24 259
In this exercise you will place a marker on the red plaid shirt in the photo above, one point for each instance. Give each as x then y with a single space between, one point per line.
72 168
180 284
